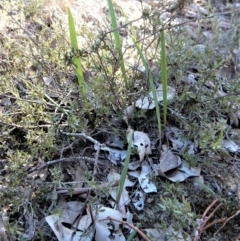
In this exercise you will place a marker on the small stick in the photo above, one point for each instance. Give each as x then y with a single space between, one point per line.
212 223
202 222
68 159
77 220
82 190
129 225
212 213
227 221
83 135
209 207
238 238
96 161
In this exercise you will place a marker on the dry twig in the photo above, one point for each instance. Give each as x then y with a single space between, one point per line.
68 159
129 225
238 238
83 190
227 220
202 223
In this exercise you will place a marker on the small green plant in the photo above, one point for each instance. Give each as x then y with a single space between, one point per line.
77 60
117 42
164 76
40 94
212 135
149 75
177 210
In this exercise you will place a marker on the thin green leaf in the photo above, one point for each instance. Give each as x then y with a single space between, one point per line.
41 235
77 60
72 30
164 76
117 39
125 168
133 233
150 77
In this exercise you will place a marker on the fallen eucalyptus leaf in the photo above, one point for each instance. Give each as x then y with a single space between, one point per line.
230 145
134 165
144 179
62 233
105 228
129 220
147 102
168 160
48 80
108 229
114 155
113 176
145 183
183 173
142 142
180 171
134 174
138 200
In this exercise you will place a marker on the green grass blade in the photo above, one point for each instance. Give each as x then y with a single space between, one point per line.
164 76
77 61
41 235
72 30
133 233
150 77
125 168
118 42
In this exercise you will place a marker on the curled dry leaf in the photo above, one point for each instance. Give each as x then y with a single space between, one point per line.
134 165
129 220
124 199
168 161
48 80
180 141
70 210
183 173
134 174
114 155
230 145
113 176
104 229
144 179
62 233
180 170
147 102
138 200
142 142
108 229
